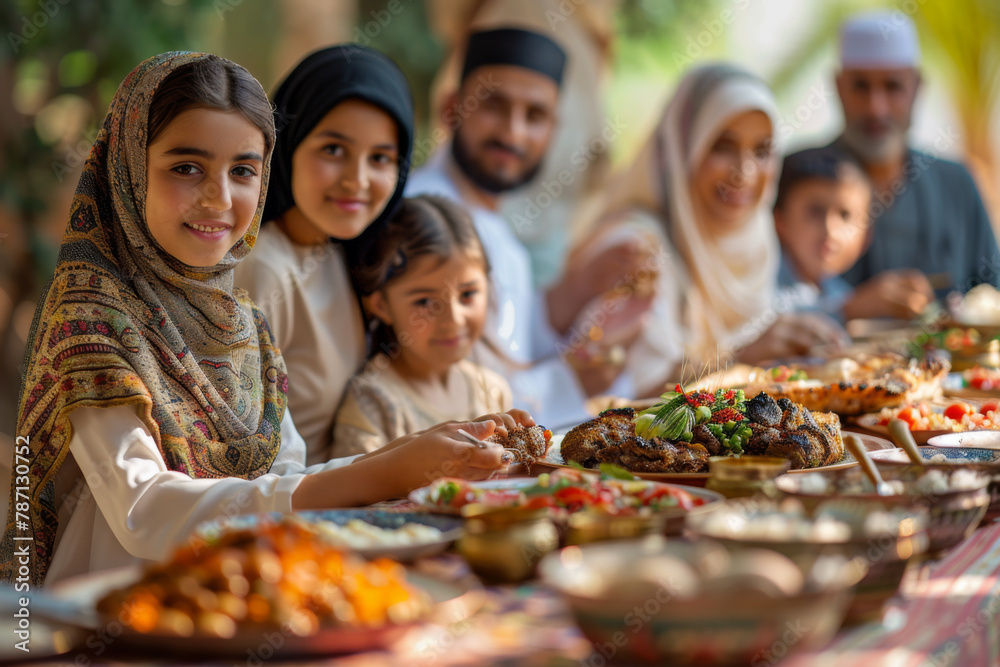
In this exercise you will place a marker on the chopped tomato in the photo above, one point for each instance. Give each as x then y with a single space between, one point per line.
573 497
957 410
909 415
989 406
540 502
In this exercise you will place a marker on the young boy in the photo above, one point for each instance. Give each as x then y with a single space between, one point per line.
821 216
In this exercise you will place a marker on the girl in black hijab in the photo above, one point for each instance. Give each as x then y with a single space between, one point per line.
344 119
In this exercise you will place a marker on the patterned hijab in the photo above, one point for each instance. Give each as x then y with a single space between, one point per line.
732 278
124 323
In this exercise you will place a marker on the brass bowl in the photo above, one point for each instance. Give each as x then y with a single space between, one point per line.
743 476
586 527
985 354
504 545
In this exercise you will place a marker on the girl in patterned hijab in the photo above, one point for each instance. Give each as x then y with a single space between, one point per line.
153 397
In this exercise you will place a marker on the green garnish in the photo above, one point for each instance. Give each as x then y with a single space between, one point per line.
447 492
611 471
680 411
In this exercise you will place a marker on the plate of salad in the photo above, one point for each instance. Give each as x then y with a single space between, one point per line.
570 490
976 382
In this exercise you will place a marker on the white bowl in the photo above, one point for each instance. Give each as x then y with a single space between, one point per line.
977 439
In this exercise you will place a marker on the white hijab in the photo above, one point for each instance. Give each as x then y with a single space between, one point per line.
730 279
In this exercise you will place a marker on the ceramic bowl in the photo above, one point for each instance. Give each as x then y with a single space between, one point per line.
977 458
674 622
886 557
952 514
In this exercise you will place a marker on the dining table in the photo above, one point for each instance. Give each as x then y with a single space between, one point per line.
947 614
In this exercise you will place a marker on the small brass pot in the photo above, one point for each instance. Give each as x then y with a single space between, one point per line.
586 527
740 477
504 545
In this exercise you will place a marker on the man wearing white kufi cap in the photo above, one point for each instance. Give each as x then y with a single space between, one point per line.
928 218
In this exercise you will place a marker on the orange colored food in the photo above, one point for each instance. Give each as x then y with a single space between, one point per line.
280 574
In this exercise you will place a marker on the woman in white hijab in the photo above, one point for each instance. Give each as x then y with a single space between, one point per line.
701 192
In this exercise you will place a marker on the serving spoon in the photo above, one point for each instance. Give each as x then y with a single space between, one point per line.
901 435
860 454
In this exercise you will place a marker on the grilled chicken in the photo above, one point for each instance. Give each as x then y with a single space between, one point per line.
530 443
611 438
880 381
796 435
780 428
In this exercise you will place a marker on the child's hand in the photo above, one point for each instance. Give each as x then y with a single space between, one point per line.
403 465
504 421
441 451
901 294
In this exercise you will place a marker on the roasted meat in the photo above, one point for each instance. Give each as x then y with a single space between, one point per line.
611 429
779 428
530 443
879 381
796 436
704 437
763 410
611 438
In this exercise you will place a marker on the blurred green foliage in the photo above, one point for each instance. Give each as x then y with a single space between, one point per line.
408 40
62 61
650 31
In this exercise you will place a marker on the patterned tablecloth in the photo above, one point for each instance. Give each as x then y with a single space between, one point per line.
951 617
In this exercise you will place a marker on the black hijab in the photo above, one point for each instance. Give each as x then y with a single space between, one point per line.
324 79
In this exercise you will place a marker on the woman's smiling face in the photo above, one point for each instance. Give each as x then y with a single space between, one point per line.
729 182
345 171
203 184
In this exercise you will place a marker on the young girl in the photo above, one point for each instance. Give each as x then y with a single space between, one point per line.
345 128
153 396
424 285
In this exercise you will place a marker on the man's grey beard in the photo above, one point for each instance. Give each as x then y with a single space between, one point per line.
875 152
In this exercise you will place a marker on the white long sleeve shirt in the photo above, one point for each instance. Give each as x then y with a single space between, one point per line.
125 507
